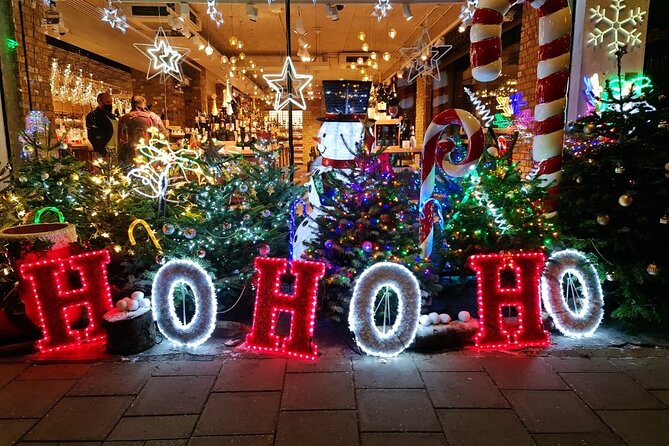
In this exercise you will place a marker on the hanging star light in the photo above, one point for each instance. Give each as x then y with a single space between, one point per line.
165 59
466 16
381 9
215 15
279 83
110 15
424 58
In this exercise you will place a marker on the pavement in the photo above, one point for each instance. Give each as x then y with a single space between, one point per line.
609 390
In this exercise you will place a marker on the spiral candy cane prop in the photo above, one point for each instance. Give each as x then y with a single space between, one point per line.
552 73
438 153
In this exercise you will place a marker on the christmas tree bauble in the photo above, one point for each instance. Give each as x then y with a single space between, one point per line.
190 233
44 176
168 229
625 200
588 129
620 169
603 219
264 250
652 269
202 253
367 246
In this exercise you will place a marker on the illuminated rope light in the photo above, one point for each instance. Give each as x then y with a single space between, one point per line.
615 26
114 17
147 228
381 9
481 109
576 324
215 15
55 210
279 83
200 327
164 59
361 314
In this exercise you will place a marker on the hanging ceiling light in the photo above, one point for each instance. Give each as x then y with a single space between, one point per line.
386 56
224 59
375 66
372 55
240 44
209 50
233 60
252 64
303 43
406 9
360 61
242 56
392 33
353 66
365 46
361 36
232 41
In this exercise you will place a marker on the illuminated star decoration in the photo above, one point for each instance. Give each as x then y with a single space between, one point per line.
620 31
165 60
424 58
215 15
279 83
381 9
111 15
467 14
162 165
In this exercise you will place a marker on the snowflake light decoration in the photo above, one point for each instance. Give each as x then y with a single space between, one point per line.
381 9
165 59
160 166
215 15
279 83
114 17
467 14
621 31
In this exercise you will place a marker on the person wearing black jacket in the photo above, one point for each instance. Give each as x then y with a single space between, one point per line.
102 125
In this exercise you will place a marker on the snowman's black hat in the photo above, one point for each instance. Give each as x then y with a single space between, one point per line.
345 101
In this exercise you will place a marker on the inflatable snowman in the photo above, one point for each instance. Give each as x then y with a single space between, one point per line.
342 131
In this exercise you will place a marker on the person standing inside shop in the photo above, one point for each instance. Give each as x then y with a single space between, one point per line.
102 126
134 126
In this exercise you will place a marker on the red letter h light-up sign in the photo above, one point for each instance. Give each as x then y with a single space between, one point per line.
59 307
271 301
495 331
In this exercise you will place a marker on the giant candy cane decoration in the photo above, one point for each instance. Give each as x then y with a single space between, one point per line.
552 74
438 153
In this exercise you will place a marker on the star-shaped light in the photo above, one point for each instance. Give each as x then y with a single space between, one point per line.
110 15
424 58
279 83
165 60
381 9
215 15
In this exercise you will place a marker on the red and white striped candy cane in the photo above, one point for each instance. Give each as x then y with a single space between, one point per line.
438 153
552 74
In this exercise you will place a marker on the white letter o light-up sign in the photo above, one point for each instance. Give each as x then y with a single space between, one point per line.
200 327
361 313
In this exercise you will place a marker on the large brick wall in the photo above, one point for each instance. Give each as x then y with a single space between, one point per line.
527 76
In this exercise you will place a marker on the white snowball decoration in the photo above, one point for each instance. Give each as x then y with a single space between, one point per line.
434 318
464 316
570 323
146 303
134 305
122 305
361 313
444 318
137 295
202 324
424 319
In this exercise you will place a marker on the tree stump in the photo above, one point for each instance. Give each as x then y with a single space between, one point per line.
130 335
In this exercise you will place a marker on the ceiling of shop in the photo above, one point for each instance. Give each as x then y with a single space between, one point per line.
264 40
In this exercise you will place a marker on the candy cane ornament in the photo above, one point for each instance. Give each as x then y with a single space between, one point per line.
438 153
552 74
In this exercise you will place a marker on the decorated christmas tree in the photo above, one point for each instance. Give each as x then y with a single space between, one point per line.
614 199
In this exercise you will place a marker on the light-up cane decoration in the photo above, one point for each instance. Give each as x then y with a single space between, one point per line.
583 315
114 17
279 83
495 331
59 307
552 74
621 31
381 9
424 57
438 153
300 304
164 59
482 110
203 322
361 314
55 210
147 228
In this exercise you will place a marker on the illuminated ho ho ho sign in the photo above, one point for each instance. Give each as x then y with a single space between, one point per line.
535 279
